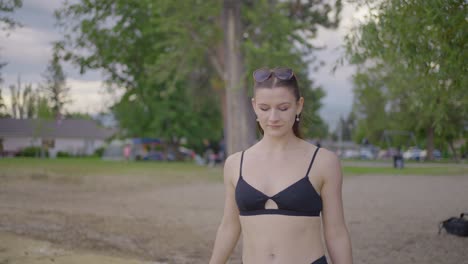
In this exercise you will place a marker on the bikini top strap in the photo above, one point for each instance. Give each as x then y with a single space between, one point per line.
312 161
242 160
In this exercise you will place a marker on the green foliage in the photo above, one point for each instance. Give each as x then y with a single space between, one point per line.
369 106
31 152
413 73
44 112
63 154
173 115
99 152
9 6
167 56
166 84
78 115
7 23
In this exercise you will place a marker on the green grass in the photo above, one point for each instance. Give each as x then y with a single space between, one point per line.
440 161
433 171
70 167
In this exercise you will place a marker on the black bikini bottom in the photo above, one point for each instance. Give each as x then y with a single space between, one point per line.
322 260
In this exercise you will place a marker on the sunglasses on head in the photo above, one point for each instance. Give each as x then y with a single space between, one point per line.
264 74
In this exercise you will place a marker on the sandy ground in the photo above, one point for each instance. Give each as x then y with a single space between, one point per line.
392 219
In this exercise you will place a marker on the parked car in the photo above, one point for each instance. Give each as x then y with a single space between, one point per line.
350 154
413 153
387 153
365 153
435 153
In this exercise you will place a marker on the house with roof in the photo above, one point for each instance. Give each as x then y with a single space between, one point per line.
74 136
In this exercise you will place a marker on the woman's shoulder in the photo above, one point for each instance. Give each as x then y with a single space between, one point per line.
233 159
324 153
232 165
327 163
327 155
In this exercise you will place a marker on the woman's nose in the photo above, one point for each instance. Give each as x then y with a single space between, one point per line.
274 115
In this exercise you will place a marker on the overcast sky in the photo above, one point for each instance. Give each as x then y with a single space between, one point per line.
28 49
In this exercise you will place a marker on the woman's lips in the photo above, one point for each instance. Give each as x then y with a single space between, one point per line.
274 126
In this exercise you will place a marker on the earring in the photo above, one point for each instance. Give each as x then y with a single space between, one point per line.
297 118
257 119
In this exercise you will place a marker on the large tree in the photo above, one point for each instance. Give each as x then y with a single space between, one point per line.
415 52
55 85
175 49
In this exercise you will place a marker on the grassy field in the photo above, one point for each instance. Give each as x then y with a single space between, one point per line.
175 171
69 167
443 169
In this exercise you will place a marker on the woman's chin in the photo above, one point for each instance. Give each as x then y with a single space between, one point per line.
276 132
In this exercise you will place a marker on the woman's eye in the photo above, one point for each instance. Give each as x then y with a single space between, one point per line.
264 109
284 109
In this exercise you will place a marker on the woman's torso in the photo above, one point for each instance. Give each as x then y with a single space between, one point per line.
279 238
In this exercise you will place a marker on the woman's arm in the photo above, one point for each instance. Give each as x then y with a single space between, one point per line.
229 229
335 230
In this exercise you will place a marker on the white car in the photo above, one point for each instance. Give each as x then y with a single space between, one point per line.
366 154
412 154
350 154
435 153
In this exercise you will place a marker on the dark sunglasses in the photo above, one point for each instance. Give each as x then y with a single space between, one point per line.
264 74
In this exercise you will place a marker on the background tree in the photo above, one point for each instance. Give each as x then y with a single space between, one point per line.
346 126
25 100
78 115
167 47
9 6
55 86
3 108
6 22
416 50
369 107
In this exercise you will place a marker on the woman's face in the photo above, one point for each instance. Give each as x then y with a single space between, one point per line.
276 110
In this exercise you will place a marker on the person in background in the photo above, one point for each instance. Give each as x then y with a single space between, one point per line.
127 151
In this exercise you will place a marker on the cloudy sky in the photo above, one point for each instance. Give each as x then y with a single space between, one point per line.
27 51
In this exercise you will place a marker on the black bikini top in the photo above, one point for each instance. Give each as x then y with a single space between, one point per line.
298 199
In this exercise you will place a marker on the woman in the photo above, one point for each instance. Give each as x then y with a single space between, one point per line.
277 189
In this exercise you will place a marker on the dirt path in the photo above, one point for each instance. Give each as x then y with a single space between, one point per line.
18 249
392 219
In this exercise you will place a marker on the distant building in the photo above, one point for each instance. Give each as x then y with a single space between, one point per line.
74 136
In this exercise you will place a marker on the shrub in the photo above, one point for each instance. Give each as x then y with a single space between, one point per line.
31 152
63 154
99 152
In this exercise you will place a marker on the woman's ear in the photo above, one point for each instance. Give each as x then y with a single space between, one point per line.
300 105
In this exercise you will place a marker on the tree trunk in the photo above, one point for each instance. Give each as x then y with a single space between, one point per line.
430 143
240 126
454 151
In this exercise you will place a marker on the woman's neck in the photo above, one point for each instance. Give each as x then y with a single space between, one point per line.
277 145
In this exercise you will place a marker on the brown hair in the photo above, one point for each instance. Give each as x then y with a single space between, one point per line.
292 86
